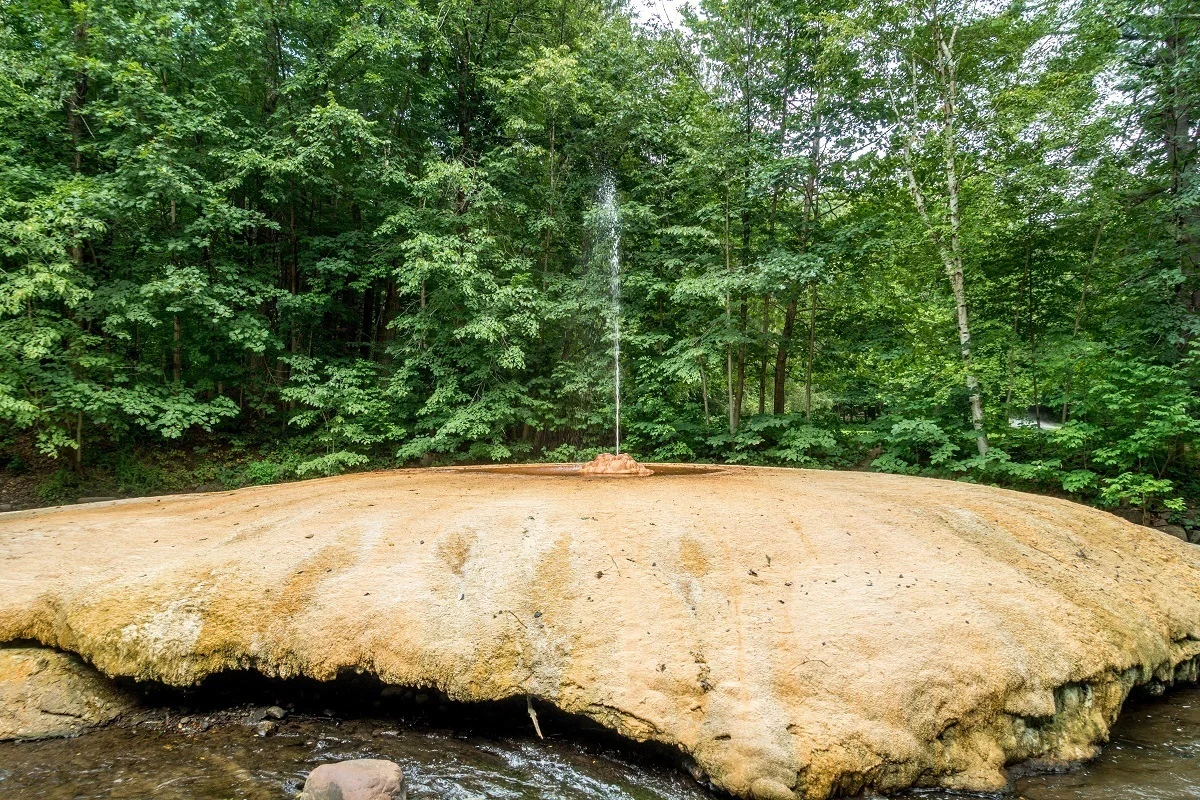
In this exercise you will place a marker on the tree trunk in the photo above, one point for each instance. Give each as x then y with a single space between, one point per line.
367 337
177 350
762 367
1037 415
733 422
75 121
744 260
550 227
1083 291
964 341
1181 146
75 101
809 213
384 333
1016 332
75 124
741 385
79 442
1087 277
957 279
812 342
781 354
949 246
294 275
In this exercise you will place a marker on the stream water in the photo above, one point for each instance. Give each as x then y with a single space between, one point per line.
167 755
177 761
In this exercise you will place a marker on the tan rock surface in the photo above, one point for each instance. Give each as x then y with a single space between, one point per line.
44 693
796 633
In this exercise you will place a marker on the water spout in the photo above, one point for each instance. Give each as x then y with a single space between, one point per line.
609 220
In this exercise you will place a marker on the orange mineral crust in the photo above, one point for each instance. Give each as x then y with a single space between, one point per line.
790 633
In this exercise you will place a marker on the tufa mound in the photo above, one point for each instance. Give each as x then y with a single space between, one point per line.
793 634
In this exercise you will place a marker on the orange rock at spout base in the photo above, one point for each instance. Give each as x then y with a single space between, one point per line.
619 464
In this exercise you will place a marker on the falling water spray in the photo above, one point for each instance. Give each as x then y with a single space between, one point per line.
608 245
610 229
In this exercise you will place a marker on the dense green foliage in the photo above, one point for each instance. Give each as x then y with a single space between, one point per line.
853 232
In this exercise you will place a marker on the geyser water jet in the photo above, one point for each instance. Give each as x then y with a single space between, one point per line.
608 237
609 223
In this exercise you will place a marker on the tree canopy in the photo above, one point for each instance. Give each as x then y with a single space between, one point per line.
941 237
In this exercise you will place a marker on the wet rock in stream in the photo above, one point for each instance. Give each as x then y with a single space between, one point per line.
356 779
45 693
265 728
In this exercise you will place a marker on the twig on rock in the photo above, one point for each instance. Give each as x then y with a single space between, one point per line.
533 715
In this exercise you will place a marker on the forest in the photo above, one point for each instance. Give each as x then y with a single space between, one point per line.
273 239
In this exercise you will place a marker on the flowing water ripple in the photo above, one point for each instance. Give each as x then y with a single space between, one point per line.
1154 755
228 762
